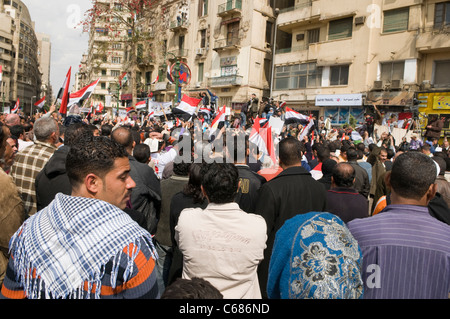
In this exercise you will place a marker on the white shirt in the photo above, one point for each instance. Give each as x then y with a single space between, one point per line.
223 245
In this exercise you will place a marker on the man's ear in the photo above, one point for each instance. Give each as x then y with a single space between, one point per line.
93 183
431 193
387 179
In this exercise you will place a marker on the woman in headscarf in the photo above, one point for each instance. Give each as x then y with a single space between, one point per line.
315 257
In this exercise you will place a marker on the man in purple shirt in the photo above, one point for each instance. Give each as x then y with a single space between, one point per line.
406 251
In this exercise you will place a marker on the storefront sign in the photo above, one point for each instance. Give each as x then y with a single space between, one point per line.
339 100
441 102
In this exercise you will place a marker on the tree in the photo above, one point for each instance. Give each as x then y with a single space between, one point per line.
123 22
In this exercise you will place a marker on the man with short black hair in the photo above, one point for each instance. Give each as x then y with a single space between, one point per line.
83 246
291 192
362 183
405 250
222 244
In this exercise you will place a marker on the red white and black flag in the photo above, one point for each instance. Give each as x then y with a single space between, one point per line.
82 95
63 94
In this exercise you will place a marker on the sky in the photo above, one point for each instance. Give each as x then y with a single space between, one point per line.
58 19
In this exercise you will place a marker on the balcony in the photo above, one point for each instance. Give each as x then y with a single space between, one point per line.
226 81
179 25
232 43
229 8
178 53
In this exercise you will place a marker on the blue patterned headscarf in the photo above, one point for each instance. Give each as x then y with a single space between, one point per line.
315 257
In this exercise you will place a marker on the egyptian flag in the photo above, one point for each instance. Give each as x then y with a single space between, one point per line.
187 107
141 105
262 138
40 103
169 76
307 128
123 78
130 109
16 107
155 80
82 95
205 110
63 94
220 118
292 116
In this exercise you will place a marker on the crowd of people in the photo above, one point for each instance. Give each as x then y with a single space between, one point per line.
169 208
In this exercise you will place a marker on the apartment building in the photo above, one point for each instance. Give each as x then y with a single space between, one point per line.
44 55
19 46
336 58
224 46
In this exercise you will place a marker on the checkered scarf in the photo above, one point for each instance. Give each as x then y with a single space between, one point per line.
69 243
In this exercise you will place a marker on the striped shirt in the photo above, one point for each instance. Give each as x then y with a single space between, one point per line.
141 285
406 254
27 165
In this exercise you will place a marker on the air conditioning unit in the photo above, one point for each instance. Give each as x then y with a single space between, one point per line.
200 51
378 85
360 20
396 84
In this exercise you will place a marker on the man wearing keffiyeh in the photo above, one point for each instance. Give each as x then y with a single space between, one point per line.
84 246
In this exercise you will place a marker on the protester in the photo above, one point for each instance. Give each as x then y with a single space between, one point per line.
362 183
315 257
83 245
30 161
12 212
291 192
146 195
343 199
405 250
434 127
207 238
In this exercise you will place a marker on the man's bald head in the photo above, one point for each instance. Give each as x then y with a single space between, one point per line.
12 119
124 137
344 175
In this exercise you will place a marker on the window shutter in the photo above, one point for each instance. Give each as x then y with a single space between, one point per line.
340 29
396 20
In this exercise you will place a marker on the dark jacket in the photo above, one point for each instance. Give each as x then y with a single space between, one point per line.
53 178
146 196
251 182
291 192
435 129
362 183
347 203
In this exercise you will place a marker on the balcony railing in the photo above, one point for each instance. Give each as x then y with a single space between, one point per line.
229 80
178 25
179 53
226 43
231 6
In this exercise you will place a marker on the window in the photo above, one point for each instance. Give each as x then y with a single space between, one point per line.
116 60
392 71
233 33
313 35
340 29
117 46
200 72
103 72
298 76
103 85
115 73
441 14
202 8
396 20
203 38
441 71
339 75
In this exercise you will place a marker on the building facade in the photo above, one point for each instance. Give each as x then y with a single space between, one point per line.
21 75
225 46
336 58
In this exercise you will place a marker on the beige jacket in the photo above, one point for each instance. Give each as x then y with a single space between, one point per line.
223 245
12 215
